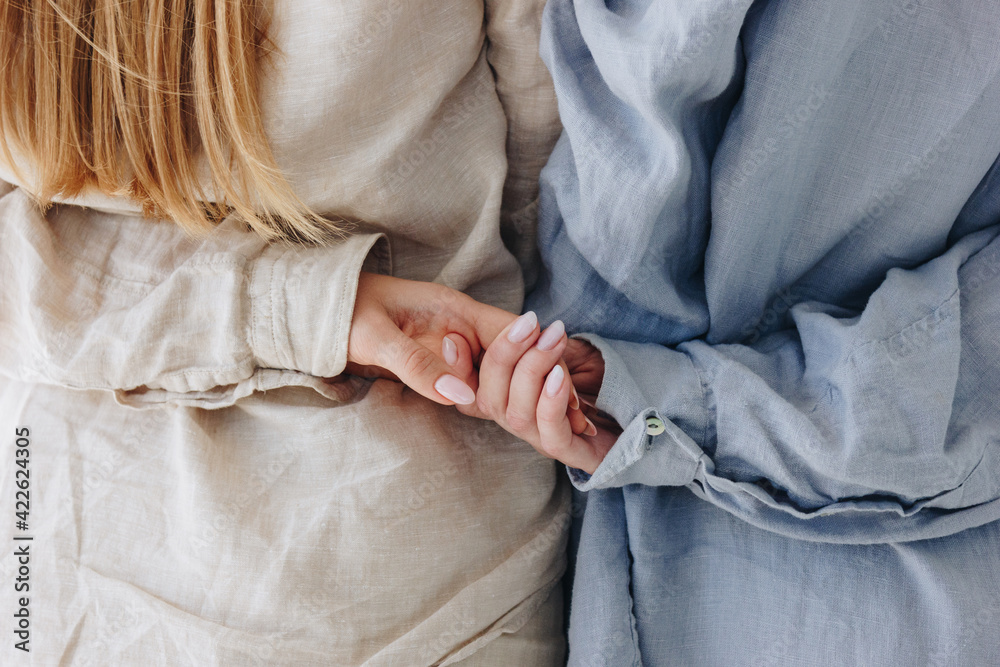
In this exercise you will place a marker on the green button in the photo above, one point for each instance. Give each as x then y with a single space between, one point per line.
654 426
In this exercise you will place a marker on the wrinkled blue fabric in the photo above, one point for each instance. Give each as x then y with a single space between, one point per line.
779 222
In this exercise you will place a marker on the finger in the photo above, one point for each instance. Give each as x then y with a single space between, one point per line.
528 377
579 422
422 370
586 365
498 364
556 439
458 355
578 416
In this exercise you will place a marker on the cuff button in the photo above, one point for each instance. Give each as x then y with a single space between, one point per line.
654 426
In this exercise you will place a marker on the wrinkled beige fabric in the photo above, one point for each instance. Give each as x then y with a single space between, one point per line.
200 495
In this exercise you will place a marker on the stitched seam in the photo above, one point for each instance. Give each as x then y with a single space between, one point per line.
702 382
252 325
75 259
632 623
982 457
196 371
341 314
270 295
934 314
99 276
98 273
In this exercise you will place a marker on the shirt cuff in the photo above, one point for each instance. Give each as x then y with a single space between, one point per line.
302 302
655 447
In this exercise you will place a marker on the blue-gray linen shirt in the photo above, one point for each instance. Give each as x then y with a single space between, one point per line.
778 222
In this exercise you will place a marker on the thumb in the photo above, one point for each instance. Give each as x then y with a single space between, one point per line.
423 371
458 355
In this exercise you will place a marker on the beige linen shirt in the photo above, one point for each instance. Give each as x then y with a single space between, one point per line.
199 493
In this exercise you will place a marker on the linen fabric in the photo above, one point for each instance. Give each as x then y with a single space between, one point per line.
207 487
778 222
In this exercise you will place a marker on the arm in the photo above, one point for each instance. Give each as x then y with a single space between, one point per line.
100 301
883 425
870 415
871 427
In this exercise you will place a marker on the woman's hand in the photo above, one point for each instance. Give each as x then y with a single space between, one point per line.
398 332
586 368
523 386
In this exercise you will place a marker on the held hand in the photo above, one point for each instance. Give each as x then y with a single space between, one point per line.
398 329
398 332
586 368
458 354
523 386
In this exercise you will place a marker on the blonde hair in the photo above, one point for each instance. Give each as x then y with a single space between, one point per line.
123 95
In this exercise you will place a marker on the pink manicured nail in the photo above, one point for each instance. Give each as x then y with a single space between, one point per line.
522 327
450 351
551 336
574 399
455 390
554 382
591 429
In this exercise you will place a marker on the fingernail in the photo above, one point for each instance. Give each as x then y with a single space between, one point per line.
554 382
551 336
522 327
591 429
455 390
574 399
450 351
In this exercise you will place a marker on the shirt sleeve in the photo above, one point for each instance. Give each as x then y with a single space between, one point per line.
525 89
95 300
882 425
